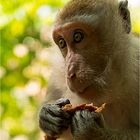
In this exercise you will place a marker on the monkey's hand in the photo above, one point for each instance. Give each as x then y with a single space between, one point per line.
86 125
52 119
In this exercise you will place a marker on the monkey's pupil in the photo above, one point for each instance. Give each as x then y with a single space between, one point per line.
78 37
62 43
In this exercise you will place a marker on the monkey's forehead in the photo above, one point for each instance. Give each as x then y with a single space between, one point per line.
86 7
82 19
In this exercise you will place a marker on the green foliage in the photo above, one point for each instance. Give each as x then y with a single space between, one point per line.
24 36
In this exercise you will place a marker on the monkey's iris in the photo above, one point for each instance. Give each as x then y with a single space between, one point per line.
78 37
62 43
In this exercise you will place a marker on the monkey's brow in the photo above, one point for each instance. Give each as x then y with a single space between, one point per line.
87 19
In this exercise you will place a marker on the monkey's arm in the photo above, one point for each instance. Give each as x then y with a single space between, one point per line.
90 125
57 86
52 119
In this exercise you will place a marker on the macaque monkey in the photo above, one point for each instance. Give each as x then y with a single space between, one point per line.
100 65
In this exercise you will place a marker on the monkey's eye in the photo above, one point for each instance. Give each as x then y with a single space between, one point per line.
78 37
62 43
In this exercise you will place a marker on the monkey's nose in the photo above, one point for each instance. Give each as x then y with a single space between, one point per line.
71 75
71 72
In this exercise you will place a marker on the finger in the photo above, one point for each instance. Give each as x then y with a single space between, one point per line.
77 118
54 115
49 128
62 101
54 110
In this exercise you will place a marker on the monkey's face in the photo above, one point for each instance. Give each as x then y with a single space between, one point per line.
84 61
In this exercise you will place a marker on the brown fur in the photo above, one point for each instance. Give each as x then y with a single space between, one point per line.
109 63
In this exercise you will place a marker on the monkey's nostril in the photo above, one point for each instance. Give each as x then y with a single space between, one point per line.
71 76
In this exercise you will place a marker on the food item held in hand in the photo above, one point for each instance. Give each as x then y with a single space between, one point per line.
72 109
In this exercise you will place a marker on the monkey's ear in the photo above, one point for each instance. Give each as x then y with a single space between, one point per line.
125 14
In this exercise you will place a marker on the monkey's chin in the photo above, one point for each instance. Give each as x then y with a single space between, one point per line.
89 92
77 91
82 90
86 90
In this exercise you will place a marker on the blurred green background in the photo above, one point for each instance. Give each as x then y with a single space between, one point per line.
25 55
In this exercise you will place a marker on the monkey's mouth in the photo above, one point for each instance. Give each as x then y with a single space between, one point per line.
86 89
79 88
86 86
